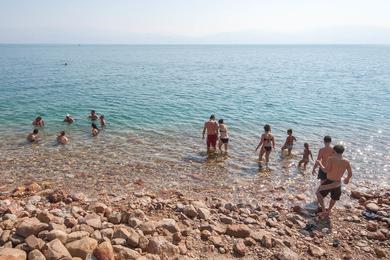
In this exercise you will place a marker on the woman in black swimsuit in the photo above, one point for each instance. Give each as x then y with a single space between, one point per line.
267 142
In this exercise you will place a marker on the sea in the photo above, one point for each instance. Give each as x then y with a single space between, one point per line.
156 99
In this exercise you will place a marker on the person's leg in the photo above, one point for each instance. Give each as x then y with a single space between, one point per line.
300 162
320 199
289 151
226 147
220 145
332 202
304 165
262 151
214 143
208 143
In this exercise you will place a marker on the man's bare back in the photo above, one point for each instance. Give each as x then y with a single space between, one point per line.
211 127
336 167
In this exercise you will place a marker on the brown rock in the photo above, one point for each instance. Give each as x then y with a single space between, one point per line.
12 254
57 234
372 226
100 208
77 236
380 252
372 207
190 211
81 248
45 217
286 254
376 236
239 231
36 255
266 241
55 250
104 251
316 251
56 196
107 232
226 220
124 253
93 221
169 224
30 226
34 243
148 227
115 218
239 248
203 213
159 245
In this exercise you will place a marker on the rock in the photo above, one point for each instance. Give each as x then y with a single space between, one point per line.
148 227
372 207
190 211
226 220
249 241
379 252
169 224
97 235
267 241
36 255
238 231
100 208
258 235
372 226
34 243
159 245
239 248
104 251
316 251
81 248
286 254
78 196
77 236
203 213
205 234
93 221
70 222
57 234
125 253
12 254
376 236
115 218
128 234
45 217
134 222
216 240
30 226
107 232
56 196
55 250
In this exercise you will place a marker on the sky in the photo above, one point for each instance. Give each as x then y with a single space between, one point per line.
193 21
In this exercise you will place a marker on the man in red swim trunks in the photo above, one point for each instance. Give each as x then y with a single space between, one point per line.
212 133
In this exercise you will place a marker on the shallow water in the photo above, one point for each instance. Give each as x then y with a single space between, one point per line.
156 99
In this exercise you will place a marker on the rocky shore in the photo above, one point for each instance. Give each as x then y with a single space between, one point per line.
40 221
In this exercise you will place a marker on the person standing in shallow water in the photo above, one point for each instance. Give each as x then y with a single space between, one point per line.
93 116
33 137
211 127
323 155
267 142
94 130
62 139
223 136
334 168
38 121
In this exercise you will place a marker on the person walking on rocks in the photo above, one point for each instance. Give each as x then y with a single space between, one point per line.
323 155
211 127
334 169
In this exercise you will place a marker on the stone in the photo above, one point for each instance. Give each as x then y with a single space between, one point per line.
16 239
249 241
316 251
78 196
70 222
57 234
12 254
115 218
77 235
104 251
148 227
216 240
169 224
55 226
203 213
34 243
119 241
100 208
128 234
239 248
190 211
267 241
380 252
376 236
226 220
81 248
372 207
205 234
107 232
122 252
30 226
36 255
238 231
134 222
372 226
55 250
286 254
93 221
5 236
97 235
158 245
45 217
56 196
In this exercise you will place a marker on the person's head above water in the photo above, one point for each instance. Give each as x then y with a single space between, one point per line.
35 131
212 117
327 139
101 116
338 148
267 128
62 133
306 145
39 118
220 121
93 112
289 131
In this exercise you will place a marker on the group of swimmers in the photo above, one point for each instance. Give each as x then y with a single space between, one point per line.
61 137
330 161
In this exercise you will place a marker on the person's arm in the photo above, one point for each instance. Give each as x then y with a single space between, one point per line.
285 144
311 155
204 130
295 139
261 142
349 170
319 156
273 142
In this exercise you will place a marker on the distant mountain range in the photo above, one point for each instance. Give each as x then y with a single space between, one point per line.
339 35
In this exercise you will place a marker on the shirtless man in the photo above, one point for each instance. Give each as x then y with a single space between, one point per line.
62 139
93 116
334 169
38 121
323 155
33 137
211 127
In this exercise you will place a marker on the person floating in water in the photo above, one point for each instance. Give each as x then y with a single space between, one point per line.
223 136
33 137
211 127
102 121
289 143
38 121
95 130
267 142
68 119
323 155
93 116
62 139
334 168
306 154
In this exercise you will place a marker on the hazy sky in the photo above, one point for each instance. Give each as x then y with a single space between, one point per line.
104 20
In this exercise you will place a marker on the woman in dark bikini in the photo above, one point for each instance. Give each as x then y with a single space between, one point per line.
267 142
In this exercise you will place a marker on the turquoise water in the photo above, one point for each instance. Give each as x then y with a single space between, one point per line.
156 99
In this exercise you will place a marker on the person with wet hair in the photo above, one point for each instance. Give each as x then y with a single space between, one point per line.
33 137
323 155
289 143
102 120
38 121
334 168
93 116
68 119
95 130
62 139
223 136
267 142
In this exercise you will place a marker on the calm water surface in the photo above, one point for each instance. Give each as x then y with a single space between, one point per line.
156 99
